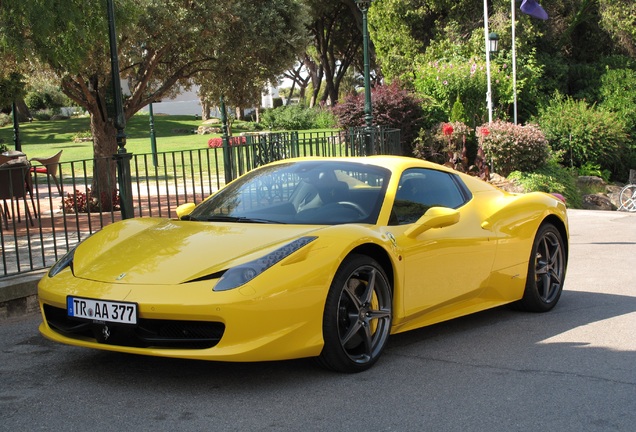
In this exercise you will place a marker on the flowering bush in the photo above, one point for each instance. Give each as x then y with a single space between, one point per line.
443 142
392 106
450 144
513 147
232 141
81 202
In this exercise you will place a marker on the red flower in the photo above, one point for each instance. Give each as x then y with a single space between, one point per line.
484 131
232 141
447 129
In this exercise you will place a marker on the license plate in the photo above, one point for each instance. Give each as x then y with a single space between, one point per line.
102 310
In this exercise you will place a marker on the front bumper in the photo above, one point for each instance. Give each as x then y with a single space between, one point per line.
273 318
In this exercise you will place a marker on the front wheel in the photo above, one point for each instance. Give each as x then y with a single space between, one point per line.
546 271
357 316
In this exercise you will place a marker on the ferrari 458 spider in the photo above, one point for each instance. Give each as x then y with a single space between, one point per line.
312 257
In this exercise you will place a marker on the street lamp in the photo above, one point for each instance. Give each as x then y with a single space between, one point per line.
364 5
122 157
493 43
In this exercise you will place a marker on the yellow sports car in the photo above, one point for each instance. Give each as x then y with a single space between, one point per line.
312 257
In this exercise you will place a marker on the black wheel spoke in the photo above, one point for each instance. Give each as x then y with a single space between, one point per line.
354 328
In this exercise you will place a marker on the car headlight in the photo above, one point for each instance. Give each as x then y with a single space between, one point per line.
242 274
65 261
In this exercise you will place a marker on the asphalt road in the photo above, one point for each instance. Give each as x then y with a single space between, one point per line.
573 369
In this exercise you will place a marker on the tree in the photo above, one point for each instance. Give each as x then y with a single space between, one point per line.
563 53
161 44
336 32
618 17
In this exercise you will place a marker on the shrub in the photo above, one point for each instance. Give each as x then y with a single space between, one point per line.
232 141
392 106
324 119
84 202
590 169
47 97
618 93
5 119
551 178
44 114
585 134
513 147
83 136
298 117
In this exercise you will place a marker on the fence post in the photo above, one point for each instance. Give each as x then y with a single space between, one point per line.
227 163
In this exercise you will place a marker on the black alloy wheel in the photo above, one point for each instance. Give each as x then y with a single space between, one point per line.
357 316
546 271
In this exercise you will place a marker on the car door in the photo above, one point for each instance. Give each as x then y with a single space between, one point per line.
446 265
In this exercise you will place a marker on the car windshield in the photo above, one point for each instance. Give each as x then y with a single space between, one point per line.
309 192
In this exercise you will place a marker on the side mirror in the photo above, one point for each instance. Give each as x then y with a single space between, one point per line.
185 209
435 217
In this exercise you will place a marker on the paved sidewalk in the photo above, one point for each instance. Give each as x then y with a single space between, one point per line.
18 294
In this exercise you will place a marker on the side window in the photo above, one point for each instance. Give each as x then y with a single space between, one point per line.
421 189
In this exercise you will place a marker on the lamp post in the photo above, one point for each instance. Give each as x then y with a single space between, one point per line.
16 128
122 156
364 5
153 138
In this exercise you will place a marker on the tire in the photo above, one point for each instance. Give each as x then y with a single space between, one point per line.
357 316
546 271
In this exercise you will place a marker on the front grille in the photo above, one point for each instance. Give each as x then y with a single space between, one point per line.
146 333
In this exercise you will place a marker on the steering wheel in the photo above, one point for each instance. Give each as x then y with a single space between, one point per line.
354 206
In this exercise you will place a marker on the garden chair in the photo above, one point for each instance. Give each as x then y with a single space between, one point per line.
4 159
49 167
15 183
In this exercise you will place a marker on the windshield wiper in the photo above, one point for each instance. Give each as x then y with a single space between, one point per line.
240 219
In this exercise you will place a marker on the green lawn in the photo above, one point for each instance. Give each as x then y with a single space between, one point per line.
45 138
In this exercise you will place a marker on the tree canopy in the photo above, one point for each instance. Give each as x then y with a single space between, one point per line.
417 39
161 44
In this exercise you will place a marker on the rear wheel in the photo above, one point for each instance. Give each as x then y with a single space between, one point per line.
546 271
357 316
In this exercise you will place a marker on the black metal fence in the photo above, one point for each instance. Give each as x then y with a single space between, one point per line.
40 223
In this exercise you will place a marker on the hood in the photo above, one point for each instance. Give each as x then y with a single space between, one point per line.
166 252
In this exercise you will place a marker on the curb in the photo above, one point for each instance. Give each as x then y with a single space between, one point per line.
18 294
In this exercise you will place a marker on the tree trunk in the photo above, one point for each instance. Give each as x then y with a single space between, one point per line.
23 111
104 188
205 109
